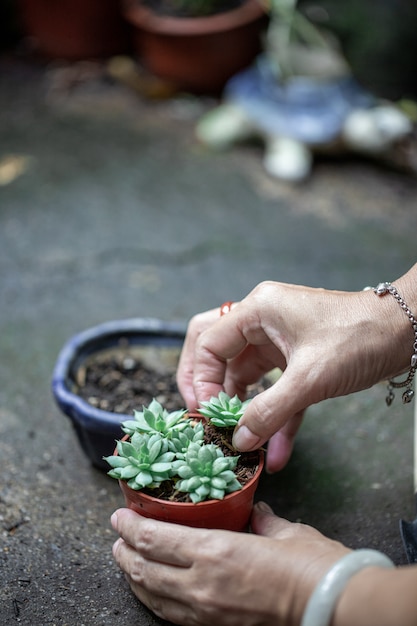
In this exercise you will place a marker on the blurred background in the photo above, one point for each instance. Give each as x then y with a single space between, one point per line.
111 207
378 37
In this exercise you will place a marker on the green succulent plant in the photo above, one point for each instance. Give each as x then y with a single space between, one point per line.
179 440
206 473
156 419
144 461
166 446
223 411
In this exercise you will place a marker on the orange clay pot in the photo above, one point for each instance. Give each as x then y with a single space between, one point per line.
74 30
196 54
231 513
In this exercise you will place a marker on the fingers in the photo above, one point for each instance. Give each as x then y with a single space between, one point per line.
166 608
158 585
185 371
265 522
276 408
281 444
219 343
154 540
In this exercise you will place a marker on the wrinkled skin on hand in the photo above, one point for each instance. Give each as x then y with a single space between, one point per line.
203 577
328 344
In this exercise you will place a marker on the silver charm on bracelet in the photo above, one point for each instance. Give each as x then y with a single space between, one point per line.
381 290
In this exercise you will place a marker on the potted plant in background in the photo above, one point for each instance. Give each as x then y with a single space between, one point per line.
182 468
196 45
103 373
74 30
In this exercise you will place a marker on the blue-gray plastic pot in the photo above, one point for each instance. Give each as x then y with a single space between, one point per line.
97 429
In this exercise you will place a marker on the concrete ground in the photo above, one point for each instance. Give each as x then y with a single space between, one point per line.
109 209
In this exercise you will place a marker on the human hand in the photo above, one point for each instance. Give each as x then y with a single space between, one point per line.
239 373
326 343
193 576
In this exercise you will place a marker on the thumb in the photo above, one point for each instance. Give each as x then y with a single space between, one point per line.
269 412
265 522
281 444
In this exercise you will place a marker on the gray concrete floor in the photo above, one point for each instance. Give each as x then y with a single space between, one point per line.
109 209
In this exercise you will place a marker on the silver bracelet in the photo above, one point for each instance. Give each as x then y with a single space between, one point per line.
322 602
408 395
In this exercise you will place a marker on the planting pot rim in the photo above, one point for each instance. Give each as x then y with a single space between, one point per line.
142 17
85 342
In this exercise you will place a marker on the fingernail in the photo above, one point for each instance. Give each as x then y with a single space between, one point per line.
244 439
114 520
263 507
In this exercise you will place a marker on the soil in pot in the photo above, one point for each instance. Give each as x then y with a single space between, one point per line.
174 9
121 380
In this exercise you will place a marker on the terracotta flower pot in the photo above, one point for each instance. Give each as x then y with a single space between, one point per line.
97 429
231 513
198 54
74 29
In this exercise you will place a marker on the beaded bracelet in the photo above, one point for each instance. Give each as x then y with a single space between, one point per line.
322 602
408 395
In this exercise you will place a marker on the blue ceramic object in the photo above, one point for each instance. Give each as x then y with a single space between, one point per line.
96 429
309 110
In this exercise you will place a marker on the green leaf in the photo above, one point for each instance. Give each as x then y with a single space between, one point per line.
130 426
166 457
149 417
116 461
185 471
115 473
206 454
154 449
203 491
218 483
160 467
143 479
126 449
224 463
227 475
128 472
234 485
217 494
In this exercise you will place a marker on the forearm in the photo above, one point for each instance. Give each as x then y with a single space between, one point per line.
379 597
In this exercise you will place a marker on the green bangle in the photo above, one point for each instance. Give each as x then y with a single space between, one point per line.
322 602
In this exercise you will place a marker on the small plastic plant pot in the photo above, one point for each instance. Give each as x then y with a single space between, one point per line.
231 513
97 430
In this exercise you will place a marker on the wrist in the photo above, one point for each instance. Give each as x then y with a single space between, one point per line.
378 597
382 290
321 606
392 334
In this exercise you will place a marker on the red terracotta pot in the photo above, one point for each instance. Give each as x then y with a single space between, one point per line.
231 513
74 29
197 54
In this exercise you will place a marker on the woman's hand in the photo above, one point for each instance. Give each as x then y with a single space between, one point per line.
327 343
203 577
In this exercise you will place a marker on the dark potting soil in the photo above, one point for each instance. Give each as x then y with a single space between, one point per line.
123 384
181 8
